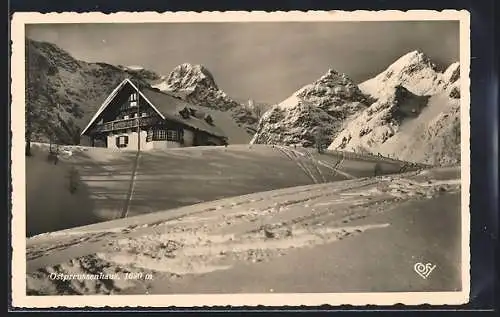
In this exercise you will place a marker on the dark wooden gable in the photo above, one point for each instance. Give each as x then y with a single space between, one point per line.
119 108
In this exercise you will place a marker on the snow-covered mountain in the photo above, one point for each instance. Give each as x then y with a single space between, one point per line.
380 121
416 115
195 83
415 71
433 137
327 103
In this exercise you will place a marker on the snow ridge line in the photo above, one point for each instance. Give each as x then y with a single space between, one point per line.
337 170
128 200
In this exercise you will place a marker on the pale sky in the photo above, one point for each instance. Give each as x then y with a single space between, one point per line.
263 61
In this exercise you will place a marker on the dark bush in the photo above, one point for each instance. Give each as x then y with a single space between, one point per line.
73 180
53 158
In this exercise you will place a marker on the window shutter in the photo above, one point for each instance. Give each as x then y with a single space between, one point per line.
209 120
117 141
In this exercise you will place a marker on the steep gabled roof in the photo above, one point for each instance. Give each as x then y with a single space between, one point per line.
167 107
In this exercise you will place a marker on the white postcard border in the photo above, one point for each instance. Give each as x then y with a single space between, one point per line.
21 300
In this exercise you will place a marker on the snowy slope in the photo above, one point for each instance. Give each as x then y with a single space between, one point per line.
327 103
263 239
433 138
380 121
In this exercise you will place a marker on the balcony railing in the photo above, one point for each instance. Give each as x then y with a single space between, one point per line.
125 124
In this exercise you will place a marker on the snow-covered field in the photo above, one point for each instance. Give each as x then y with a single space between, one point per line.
362 234
173 178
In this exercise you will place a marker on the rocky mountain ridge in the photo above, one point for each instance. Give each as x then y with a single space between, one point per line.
62 93
196 84
324 104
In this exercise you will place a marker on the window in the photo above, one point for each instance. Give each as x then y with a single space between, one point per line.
133 99
168 135
122 141
144 114
126 117
159 135
172 135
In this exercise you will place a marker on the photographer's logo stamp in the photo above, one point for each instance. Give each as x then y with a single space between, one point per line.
424 270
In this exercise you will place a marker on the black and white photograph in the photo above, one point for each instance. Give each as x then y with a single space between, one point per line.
225 157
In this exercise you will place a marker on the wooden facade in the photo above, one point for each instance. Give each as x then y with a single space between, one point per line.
129 120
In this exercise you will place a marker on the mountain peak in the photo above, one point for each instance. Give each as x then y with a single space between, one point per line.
416 55
331 72
326 103
334 76
414 70
410 59
196 84
187 76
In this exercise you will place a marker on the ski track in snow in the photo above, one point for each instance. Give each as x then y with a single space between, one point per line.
292 155
218 235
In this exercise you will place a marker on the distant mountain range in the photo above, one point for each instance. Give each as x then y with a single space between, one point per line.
410 111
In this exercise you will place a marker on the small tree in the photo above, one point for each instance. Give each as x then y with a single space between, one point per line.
53 155
320 140
377 169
